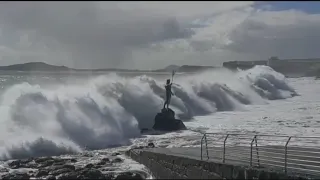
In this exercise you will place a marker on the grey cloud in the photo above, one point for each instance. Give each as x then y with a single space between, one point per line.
201 46
95 37
296 40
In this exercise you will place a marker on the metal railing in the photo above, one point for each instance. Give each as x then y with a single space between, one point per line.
290 154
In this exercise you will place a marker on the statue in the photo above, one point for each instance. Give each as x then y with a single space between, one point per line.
165 120
168 94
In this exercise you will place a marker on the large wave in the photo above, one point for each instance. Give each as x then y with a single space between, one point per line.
109 110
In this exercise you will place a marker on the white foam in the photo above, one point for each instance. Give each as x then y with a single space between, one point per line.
107 111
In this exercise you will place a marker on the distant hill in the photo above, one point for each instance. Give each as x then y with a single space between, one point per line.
34 66
40 66
188 68
171 68
184 68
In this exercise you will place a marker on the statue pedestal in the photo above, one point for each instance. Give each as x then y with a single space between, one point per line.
165 121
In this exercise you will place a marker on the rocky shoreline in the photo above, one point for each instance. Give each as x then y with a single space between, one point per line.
89 165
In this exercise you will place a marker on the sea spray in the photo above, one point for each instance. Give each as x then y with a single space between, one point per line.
109 110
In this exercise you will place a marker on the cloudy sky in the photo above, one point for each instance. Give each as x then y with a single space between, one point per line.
151 35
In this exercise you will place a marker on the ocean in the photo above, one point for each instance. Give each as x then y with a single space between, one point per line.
52 114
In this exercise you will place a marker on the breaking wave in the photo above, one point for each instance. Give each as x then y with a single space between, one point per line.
109 110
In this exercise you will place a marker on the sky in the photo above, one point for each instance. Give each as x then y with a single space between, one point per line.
152 35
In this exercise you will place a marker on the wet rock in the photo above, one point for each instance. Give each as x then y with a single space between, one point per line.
115 154
58 163
91 174
87 155
73 160
42 173
165 121
46 163
151 145
88 166
14 164
117 160
69 166
101 163
50 177
70 175
129 175
59 171
18 164
109 176
109 169
54 168
43 159
16 176
4 170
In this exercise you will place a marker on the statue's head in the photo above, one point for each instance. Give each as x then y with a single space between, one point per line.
168 81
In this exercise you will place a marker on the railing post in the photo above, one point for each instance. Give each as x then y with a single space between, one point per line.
201 145
285 155
255 137
251 150
224 148
205 138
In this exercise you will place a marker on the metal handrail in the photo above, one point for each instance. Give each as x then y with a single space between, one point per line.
231 147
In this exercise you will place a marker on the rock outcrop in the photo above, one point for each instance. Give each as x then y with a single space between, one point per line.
166 121
56 168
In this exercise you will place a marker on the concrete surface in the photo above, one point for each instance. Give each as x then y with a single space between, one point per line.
301 162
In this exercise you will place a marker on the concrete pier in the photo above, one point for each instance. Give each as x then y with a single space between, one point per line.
186 163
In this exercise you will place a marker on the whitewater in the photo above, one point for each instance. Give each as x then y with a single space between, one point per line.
54 114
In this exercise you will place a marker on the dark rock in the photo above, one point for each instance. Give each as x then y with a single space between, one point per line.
109 176
115 154
4 170
73 160
108 169
98 166
15 164
50 177
41 173
101 163
48 163
26 161
54 168
129 175
151 145
88 166
91 174
117 160
69 166
43 159
70 175
16 176
57 163
87 155
165 121
19 163
79 169
59 171
105 159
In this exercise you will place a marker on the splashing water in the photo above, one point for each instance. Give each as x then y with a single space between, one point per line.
109 110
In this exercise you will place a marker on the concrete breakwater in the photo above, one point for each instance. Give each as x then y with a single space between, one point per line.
185 163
